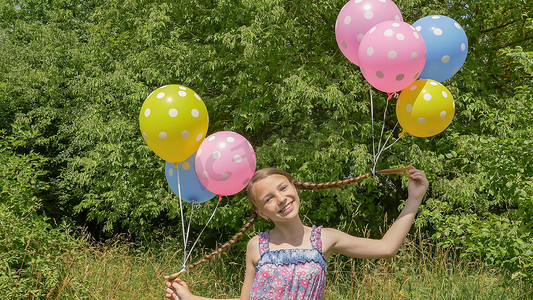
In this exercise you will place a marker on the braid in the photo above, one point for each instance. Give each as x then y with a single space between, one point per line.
300 185
345 182
219 250
329 185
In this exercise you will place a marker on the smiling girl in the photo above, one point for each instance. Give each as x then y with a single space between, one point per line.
290 261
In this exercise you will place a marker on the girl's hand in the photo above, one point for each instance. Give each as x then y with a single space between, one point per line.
418 184
178 290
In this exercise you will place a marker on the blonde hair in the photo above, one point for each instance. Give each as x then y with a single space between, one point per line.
264 173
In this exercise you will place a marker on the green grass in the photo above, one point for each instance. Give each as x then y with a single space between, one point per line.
420 271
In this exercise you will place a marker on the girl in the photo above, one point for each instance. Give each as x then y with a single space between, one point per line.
290 261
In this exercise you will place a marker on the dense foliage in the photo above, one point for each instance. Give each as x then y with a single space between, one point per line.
73 77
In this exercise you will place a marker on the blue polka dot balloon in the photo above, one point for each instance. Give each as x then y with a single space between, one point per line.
446 46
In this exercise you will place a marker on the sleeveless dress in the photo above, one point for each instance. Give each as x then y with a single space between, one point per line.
290 273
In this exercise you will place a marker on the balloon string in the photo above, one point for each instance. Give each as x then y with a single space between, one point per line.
373 141
188 231
196 241
181 213
385 147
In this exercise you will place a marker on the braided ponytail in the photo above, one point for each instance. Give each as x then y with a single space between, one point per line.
263 173
219 250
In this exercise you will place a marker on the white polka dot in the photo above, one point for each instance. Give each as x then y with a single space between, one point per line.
421 120
211 138
427 97
183 88
372 30
444 94
409 108
457 25
160 95
388 32
337 22
370 51
416 35
437 31
230 139
413 87
418 28
205 174
445 59
222 145
344 45
432 131
397 18
395 25
147 112
392 54
433 83
197 97
182 93
245 182
224 176
237 158
145 135
414 56
195 113
442 114
382 1
453 104
162 135
400 77
435 17
358 1
186 166
170 172
379 74
463 47
216 155
173 112
198 137
184 134
455 70
369 15
347 20
400 37
360 37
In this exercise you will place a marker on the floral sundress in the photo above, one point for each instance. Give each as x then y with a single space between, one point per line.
290 273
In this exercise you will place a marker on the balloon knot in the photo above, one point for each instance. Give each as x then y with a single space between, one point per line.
401 134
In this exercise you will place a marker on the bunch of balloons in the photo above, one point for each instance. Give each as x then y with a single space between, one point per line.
395 56
174 121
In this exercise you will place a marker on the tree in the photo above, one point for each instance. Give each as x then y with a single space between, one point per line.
76 76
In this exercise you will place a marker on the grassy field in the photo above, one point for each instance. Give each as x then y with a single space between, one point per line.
420 271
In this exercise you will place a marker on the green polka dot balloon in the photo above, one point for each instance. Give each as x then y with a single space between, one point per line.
173 121
425 108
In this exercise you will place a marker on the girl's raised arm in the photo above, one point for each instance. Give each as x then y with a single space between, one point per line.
337 241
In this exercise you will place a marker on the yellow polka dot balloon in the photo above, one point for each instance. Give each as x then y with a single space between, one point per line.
425 108
173 122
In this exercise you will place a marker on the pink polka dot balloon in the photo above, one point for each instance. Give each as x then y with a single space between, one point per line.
356 18
392 55
225 163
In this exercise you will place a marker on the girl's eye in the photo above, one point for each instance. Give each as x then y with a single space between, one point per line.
284 187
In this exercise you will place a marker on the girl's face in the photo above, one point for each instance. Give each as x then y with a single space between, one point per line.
276 198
